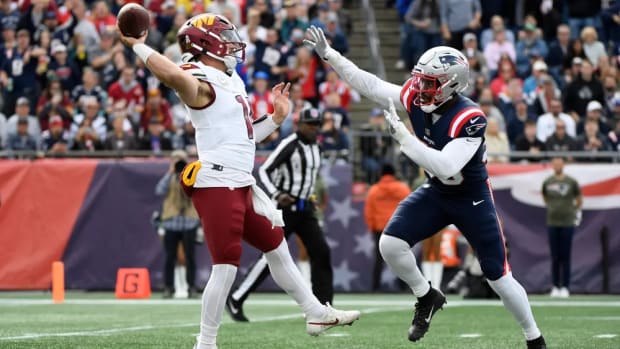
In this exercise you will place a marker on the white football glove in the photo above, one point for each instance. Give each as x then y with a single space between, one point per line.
317 40
397 129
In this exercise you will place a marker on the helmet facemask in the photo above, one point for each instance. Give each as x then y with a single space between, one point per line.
231 50
428 91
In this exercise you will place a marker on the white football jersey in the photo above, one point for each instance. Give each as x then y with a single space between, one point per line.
224 131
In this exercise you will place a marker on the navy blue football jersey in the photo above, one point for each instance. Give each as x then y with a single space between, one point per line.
463 119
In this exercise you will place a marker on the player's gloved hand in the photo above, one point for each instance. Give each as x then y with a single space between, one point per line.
397 129
317 40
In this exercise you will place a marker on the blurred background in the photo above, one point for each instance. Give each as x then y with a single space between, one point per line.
86 132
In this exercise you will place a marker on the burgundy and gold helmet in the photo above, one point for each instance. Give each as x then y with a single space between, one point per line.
213 35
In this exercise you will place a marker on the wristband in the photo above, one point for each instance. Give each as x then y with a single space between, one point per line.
143 51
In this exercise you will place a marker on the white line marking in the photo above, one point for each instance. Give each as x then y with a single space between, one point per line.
291 303
606 335
470 335
588 318
337 334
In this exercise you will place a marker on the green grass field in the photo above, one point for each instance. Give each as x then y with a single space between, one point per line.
96 320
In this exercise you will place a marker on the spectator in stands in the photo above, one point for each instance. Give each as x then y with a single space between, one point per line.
613 136
9 40
250 33
66 70
594 111
320 20
331 138
457 18
18 74
223 6
292 20
425 29
595 50
338 39
22 112
9 16
185 138
532 83
615 112
612 91
22 139
477 62
260 97
156 138
271 57
374 145
558 51
529 143
333 84
593 141
156 109
497 25
180 222
505 75
497 142
490 110
304 71
101 17
545 125
102 59
267 17
86 29
560 140
580 92
498 52
33 15
91 125
545 93
583 13
515 125
128 89
89 87
573 62
344 19
529 46
54 94
381 202
119 138
340 115
563 199
507 100
55 141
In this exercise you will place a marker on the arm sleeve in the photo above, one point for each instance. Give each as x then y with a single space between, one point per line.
279 156
364 82
263 127
445 163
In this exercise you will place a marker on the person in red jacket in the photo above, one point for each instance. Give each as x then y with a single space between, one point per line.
381 202
128 89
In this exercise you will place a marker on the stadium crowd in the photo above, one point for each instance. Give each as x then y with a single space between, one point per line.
67 82
545 72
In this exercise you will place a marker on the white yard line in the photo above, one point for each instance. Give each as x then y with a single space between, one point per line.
606 335
291 303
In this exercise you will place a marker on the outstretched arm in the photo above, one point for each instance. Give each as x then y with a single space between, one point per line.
191 91
362 81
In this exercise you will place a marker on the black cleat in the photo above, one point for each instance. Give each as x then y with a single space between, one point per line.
235 309
425 308
168 293
538 343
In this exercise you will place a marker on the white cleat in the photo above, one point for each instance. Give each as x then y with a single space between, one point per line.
333 318
564 293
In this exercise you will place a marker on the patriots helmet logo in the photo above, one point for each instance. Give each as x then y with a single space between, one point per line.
450 60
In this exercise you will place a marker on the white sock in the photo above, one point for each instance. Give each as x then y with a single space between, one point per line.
427 270
304 269
515 300
213 301
436 274
399 257
180 283
288 277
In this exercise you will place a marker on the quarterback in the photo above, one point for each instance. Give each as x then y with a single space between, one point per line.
448 141
230 205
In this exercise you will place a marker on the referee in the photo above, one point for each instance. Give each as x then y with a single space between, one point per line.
289 175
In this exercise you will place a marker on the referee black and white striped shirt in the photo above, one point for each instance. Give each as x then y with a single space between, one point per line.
291 168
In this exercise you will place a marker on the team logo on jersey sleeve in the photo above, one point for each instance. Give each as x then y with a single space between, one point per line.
473 129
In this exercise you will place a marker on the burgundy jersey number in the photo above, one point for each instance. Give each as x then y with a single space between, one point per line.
247 115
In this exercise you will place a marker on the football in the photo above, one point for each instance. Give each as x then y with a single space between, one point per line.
133 20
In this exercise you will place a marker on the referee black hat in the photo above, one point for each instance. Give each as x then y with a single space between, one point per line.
310 116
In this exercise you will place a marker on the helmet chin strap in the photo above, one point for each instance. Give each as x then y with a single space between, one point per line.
229 62
431 108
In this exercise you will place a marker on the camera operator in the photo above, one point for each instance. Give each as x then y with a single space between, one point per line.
180 222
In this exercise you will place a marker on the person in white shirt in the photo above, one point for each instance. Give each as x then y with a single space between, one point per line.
545 126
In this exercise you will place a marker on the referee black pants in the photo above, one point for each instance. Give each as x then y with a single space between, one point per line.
305 224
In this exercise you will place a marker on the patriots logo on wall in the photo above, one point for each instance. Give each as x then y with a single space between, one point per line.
473 129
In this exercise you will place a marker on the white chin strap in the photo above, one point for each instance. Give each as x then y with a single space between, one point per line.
432 107
229 61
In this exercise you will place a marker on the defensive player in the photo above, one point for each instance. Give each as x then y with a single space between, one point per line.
449 144
231 207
